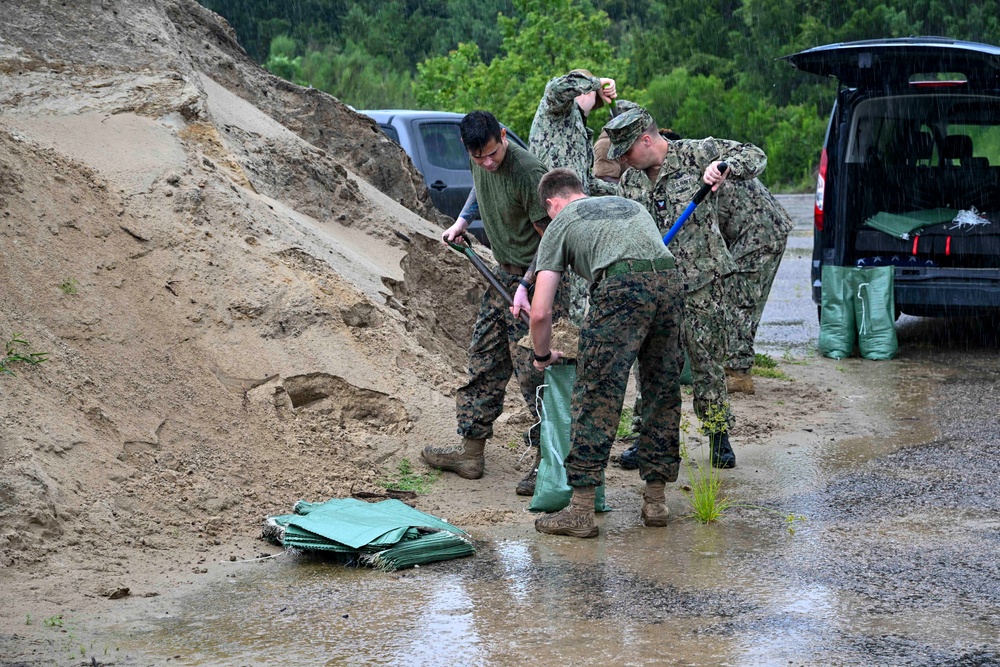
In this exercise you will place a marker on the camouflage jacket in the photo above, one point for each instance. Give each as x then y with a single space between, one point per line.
699 248
559 134
751 219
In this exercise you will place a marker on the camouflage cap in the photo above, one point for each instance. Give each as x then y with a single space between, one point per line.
625 128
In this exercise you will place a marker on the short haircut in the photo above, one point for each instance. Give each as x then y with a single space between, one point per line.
559 182
477 129
652 130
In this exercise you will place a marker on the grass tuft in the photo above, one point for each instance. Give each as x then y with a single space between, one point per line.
18 350
405 479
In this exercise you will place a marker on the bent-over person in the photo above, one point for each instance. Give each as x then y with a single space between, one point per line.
664 175
636 310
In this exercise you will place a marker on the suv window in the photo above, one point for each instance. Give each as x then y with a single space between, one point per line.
390 131
443 143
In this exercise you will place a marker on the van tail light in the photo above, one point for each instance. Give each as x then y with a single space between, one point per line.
820 191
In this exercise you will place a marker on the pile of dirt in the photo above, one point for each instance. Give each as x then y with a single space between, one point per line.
216 263
241 293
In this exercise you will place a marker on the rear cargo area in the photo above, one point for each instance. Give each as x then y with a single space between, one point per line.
925 170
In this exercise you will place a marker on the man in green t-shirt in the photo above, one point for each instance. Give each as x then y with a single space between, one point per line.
636 311
506 181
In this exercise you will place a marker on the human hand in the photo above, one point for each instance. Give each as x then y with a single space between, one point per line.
713 176
520 302
542 365
608 90
452 234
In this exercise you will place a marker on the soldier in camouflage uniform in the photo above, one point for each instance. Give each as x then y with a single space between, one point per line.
664 175
636 310
560 138
755 227
506 177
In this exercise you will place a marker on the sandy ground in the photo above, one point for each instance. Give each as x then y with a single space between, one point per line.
242 305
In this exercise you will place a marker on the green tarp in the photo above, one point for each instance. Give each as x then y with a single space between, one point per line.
388 534
901 225
552 492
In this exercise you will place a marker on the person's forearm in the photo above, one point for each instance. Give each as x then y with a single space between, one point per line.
470 211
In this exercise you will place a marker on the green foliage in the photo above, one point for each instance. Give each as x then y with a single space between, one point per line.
703 69
766 366
351 74
53 621
625 423
18 350
543 39
705 485
700 106
405 479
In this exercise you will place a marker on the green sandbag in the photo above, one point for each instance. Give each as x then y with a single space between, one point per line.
552 492
875 312
837 323
686 378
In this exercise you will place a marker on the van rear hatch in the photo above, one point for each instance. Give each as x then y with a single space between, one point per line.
890 63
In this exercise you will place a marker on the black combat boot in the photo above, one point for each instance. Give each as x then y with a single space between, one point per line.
629 460
722 452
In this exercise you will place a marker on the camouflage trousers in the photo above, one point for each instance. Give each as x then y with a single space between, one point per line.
706 342
634 316
746 295
494 356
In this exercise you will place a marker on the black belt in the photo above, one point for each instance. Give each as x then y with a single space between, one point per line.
639 266
514 270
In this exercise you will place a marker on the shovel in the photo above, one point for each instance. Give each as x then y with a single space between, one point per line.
698 198
480 265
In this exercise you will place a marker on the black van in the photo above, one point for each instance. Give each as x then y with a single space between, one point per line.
909 175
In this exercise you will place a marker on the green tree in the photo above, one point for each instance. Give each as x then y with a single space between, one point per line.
351 74
544 38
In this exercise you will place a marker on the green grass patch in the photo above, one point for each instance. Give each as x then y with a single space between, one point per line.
405 479
18 350
705 485
766 367
625 424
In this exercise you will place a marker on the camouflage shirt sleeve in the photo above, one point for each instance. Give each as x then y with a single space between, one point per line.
745 161
561 92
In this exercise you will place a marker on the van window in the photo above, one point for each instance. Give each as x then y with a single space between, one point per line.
982 149
443 146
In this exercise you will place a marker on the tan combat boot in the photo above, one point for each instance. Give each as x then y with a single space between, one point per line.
577 520
739 381
465 461
654 504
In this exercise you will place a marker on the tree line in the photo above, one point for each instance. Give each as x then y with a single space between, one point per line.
702 69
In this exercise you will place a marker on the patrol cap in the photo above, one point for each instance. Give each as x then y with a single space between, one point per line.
624 129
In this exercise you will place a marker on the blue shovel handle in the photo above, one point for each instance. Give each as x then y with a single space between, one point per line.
698 198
